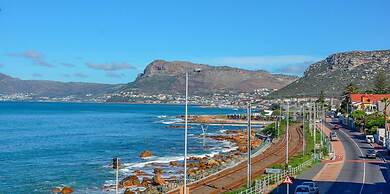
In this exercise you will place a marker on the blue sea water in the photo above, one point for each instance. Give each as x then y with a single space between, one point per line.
44 145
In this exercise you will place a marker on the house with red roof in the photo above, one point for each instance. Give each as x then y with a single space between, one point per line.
369 102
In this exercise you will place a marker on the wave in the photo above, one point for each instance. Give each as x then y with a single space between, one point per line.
162 116
172 121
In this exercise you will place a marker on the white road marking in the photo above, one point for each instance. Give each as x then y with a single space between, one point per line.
364 164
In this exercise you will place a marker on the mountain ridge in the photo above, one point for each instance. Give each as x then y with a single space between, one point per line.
335 72
162 76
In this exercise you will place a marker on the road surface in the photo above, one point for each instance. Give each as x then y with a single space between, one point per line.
357 175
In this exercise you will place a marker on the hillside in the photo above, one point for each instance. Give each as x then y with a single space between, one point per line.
332 74
39 88
169 78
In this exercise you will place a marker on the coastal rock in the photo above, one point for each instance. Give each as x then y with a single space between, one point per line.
128 191
66 190
129 181
158 180
173 163
145 182
157 171
145 154
56 190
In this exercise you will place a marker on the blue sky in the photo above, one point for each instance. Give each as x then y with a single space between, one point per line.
112 41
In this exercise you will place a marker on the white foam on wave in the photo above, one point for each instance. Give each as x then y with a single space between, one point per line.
162 116
172 121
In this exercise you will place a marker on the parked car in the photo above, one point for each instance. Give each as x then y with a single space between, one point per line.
303 189
371 153
370 138
333 136
313 187
336 127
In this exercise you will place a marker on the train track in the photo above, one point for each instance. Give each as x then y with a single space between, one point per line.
233 178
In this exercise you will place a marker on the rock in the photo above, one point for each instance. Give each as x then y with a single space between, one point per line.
158 180
145 154
56 190
129 181
145 182
128 191
158 171
66 190
174 163
211 163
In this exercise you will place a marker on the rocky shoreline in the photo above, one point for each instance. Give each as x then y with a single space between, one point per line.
197 167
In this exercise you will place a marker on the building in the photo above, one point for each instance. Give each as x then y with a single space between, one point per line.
369 102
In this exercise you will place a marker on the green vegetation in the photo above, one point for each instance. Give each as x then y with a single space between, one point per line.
297 159
272 130
380 83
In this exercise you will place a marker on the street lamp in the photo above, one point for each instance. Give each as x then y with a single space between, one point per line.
186 132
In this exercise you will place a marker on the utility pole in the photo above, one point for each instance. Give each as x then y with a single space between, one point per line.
280 119
185 137
115 165
303 128
314 130
287 122
249 170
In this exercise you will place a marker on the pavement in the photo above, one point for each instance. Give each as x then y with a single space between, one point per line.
352 172
233 178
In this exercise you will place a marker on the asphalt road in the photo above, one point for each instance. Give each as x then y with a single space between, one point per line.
358 174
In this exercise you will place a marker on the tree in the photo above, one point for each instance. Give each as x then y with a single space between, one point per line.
345 104
321 98
380 83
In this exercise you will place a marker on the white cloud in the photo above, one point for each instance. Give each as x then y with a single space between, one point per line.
287 64
110 66
36 57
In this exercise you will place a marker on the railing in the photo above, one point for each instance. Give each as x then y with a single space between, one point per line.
172 185
264 184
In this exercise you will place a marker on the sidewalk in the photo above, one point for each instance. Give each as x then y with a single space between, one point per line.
332 168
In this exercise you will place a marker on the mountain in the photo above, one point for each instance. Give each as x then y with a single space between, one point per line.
40 88
169 78
334 73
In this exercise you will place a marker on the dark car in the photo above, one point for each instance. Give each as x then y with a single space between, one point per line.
371 153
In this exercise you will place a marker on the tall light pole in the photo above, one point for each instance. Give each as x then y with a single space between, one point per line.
314 130
303 128
185 136
287 122
249 170
115 165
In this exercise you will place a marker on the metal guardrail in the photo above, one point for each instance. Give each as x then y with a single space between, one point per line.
194 178
264 184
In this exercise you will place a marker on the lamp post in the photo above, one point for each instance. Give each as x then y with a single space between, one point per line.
185 136
115 165
287 139
249 170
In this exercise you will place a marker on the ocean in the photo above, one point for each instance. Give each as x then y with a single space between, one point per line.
45 145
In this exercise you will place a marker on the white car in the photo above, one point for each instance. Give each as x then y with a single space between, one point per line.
303 189
313 187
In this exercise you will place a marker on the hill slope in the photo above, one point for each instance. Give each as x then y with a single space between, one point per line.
338 70
169 78
10 85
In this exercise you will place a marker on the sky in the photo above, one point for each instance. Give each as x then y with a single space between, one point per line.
113 41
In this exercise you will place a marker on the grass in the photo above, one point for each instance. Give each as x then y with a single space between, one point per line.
298 158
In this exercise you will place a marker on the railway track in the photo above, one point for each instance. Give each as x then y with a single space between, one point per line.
233 178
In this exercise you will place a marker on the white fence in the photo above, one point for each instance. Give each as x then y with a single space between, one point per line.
263 185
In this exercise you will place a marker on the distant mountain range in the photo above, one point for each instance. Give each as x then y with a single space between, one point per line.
169 77
334 73
39 88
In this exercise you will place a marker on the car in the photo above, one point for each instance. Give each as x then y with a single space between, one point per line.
303 189
336 127
333 136
313 186
371 153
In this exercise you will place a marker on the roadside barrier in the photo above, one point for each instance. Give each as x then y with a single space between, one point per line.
264 184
